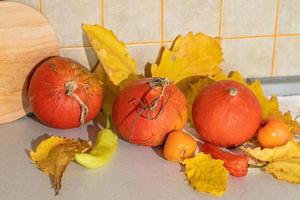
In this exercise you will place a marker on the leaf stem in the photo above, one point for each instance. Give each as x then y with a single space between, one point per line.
107 120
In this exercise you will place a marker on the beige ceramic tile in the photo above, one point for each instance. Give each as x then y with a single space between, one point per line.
248 17
133 20
32 3
85 56
289 17
181 17
251 57
144 54
67 16
287 56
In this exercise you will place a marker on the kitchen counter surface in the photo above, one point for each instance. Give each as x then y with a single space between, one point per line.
135 172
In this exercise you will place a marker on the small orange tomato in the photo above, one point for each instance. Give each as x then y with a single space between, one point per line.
273 133
179 145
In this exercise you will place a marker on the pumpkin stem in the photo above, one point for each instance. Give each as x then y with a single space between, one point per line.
158 82
71 86
233 92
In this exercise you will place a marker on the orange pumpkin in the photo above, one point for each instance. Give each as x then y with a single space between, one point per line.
179 145
148 109
274 132
226 113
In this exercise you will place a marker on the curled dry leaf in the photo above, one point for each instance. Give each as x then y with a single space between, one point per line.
54 154
206 174
283 161
288 151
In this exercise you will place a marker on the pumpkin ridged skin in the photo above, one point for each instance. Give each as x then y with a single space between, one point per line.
139 129
223 119
47 93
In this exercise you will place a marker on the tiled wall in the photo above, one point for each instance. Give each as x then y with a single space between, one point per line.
259 37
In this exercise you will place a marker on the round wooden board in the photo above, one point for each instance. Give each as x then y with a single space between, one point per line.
26 38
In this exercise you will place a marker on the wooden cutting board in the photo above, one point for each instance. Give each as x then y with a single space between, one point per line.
26 38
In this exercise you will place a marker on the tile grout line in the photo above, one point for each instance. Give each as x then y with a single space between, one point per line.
128 44
224 38
170 41
260 36
220 18
161 22
275 39
289 35
148 43
246 37
40 6
102 12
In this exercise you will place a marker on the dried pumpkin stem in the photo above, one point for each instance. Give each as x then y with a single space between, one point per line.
233 92
71 86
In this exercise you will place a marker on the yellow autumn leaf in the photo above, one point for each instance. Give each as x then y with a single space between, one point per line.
286 170
288 151
293 124
283 162
191 88
110 91
191 55
112 53
206 174
54 154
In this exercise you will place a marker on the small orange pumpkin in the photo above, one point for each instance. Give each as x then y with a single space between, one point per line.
226 113
274 132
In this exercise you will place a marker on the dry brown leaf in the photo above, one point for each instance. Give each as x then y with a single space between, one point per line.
54 154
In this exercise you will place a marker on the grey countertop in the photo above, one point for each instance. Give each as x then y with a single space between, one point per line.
135 172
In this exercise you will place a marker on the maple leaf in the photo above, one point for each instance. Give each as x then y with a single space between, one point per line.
206 174
54 154
191 55
112 53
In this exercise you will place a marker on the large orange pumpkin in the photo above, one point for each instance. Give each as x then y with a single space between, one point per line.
226 113
64 94
148 109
